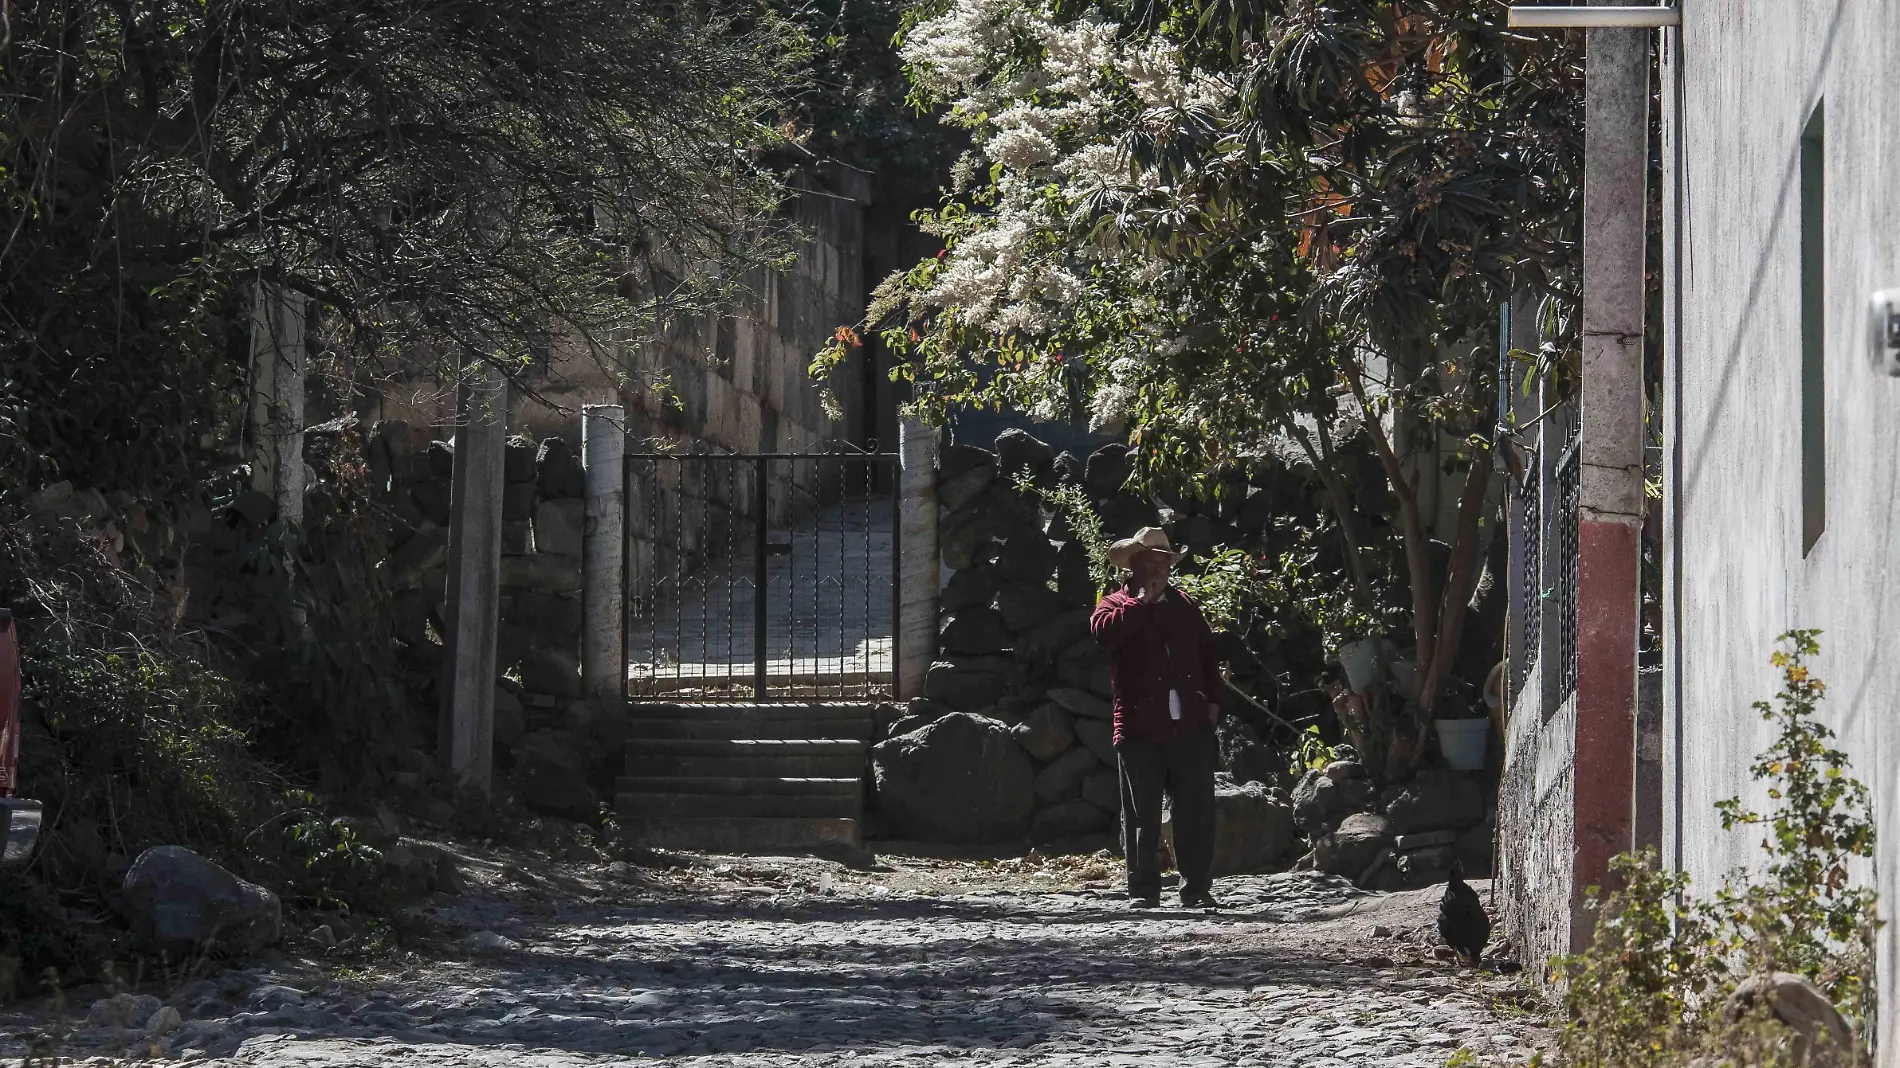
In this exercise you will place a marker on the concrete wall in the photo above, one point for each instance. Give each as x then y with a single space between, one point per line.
1751 73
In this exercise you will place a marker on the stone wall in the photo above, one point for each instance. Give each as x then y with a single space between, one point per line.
560 746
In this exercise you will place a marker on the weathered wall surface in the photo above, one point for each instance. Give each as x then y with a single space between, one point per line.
1752 74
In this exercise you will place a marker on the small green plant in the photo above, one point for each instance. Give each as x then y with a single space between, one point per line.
1311 752
332 866
1651 988
1462 1058
1073 503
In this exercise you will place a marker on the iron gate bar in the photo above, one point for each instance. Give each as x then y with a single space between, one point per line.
763 548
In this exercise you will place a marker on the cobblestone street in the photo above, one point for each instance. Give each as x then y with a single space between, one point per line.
921 963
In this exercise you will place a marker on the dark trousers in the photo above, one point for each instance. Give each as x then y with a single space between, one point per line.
1184 770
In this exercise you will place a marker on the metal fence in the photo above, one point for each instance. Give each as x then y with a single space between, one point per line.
1569 471
763 576
1532 575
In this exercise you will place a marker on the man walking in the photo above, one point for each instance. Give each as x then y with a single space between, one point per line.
1165 669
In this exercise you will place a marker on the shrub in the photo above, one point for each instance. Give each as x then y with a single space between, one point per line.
1651 988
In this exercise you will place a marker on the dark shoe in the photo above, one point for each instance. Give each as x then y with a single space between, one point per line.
1198 899
1138 902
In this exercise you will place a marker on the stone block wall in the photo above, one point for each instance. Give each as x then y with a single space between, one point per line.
557 743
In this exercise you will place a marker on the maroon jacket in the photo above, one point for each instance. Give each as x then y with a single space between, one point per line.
1154 648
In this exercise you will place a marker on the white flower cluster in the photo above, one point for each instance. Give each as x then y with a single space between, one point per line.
1053 125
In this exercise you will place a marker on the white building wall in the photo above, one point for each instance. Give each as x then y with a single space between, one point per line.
1751 71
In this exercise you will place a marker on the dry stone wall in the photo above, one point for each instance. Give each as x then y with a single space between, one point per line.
558 745
1012 738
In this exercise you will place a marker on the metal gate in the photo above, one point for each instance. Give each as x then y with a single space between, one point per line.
761 576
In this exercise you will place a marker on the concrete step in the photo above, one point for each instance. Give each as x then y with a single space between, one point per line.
737 723
739 834
845 763
741 785
639 804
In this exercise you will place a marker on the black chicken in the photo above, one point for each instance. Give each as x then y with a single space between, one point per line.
1462 922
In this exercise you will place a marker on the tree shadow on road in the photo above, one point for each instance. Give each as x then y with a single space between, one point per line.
734 977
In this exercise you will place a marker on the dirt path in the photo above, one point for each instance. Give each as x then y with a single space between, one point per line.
924 962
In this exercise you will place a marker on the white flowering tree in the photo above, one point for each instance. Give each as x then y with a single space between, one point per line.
1249 229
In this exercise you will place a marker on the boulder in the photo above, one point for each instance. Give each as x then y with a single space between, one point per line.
1057 634
546 615
1082 702
547 572
511 720
552 776
956 459
1068 468
1252 828
1106 469
1067 819
1098 736
971 587
1320 801
558 470
517 502
966 541
559 525
518 462
1353 845
123 1010
1103 789
1017 450
442 459
1046 733
1025 606
968 684
1420 868
1075 584
1026 556
974 631
959 490
1124 514
551 671
1435 800
1824 1037
179 903
1063 777
961 778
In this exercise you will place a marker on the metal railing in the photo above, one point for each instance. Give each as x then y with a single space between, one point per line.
761 576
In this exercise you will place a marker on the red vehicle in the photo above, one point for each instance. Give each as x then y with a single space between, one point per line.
22 816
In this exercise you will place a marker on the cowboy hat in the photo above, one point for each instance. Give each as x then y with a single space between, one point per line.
1146 539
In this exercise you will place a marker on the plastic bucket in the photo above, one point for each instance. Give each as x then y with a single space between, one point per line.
1462 742
1360 661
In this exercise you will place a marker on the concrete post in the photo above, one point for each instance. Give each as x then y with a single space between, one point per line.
278 363
474 577
1610 491
603 551
916 623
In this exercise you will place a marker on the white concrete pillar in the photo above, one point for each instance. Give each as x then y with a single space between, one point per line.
278 364
603 555
916 622
474 577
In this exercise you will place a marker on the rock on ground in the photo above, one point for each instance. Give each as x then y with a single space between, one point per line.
961 778
180 904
